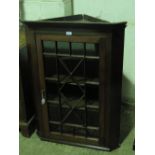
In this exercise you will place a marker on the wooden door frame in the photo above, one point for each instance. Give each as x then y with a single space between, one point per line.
104 64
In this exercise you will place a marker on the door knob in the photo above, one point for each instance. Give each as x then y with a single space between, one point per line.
43 100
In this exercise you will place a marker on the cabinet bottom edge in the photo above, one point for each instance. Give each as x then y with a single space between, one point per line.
74 143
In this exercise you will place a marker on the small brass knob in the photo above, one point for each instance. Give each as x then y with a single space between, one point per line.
43 101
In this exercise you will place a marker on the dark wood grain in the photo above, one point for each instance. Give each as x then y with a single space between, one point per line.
110 39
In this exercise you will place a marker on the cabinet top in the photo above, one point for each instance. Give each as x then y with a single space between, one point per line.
74 20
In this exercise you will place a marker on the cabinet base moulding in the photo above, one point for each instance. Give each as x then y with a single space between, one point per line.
27 128
74 143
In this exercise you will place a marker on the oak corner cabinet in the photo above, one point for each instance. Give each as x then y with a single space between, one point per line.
76 68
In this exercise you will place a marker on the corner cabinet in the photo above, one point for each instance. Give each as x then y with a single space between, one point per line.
76 68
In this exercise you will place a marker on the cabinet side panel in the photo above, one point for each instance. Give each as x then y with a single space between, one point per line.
116 86
105 92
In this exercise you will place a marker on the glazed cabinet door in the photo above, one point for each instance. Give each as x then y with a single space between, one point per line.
71 72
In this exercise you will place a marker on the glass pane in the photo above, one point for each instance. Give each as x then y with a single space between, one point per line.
92 94
48 46
63 48
92 117
54 127
52 92
92 67
54 113
93 133
75 117
50 67
91 50
68 129
72 93
77 49
74 66
80 132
